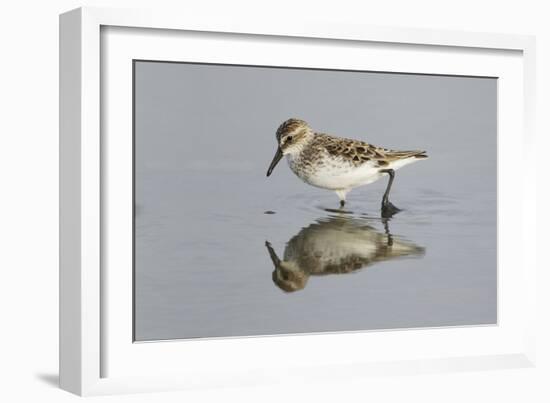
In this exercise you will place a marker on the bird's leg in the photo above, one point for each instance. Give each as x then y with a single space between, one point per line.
342 196
388 209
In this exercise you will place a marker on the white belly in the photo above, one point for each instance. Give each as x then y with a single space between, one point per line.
339 176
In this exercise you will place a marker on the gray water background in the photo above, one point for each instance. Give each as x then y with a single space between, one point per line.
204 137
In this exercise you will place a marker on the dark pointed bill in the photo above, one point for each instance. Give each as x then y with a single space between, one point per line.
276 159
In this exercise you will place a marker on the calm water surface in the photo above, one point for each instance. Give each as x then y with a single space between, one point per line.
205 269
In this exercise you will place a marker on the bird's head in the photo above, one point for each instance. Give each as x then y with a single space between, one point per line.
289 277
292 135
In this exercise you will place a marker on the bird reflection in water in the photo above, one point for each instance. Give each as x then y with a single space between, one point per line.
335 245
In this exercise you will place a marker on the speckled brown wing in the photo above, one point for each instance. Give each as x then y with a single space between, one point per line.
359 152
355 151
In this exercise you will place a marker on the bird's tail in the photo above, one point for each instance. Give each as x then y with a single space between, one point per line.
398 155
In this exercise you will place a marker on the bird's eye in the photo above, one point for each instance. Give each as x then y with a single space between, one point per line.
288 139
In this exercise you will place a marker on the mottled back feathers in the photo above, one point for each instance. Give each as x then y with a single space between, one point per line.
358 152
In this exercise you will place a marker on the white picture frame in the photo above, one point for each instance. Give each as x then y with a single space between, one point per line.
97 353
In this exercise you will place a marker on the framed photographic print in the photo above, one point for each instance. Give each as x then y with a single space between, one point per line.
244 200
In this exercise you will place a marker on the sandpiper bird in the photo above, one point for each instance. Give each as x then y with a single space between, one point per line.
337 163
335 245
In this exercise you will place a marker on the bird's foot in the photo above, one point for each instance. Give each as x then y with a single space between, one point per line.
388 209
342 203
